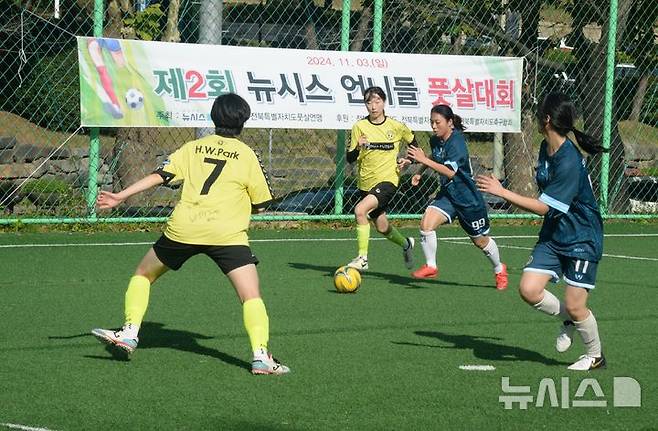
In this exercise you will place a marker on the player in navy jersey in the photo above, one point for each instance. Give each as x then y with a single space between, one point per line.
571 238
458 195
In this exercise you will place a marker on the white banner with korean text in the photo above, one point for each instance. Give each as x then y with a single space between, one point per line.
129 83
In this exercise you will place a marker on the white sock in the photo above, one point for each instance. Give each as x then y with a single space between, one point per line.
491 251
589 333
130 330
552 306
260 353
428 243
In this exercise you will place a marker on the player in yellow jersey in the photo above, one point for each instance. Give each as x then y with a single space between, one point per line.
223 182
374 145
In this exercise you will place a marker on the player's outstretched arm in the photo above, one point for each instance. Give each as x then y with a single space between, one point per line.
108 200
417 154
490 184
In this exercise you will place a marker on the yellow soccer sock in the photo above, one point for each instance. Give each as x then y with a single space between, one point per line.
395 236
137 299
256 323
362 238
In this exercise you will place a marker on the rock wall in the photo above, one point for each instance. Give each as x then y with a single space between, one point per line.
57 185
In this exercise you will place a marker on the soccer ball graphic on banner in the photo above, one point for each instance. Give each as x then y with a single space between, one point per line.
347 279
134 98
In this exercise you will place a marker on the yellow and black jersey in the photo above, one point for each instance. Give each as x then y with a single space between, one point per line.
222 178
377 162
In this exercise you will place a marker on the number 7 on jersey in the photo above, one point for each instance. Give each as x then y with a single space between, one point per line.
219 165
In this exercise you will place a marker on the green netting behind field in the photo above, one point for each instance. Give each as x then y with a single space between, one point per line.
565 45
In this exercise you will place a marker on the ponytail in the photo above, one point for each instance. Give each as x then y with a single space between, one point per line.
560 112
457 122
588 143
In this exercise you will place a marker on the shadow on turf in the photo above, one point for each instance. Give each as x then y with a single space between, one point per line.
155 335
483 348
406 281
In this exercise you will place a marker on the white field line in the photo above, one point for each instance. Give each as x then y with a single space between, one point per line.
454 238
91 244
24 427
515 247
477 367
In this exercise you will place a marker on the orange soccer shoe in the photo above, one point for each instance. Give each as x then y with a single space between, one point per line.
425 271
501 279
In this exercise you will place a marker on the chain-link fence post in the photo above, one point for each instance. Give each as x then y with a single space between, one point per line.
94 133
210 32
607 115
341 134
377 26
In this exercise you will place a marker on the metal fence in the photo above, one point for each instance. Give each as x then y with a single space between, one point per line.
605 56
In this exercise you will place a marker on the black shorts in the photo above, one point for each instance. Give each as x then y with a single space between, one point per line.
228 257
384 193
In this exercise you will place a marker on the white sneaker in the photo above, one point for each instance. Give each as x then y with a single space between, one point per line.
565 338
586 363
408 253
268 365
118 340
360 263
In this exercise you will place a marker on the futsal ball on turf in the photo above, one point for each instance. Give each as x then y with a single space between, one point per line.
347 279
134 98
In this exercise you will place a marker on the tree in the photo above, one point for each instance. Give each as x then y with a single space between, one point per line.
590 86
136 149
310 30
363 26
518 154
638 41
171 33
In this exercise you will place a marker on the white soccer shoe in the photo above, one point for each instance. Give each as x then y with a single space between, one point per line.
268 365
359 263
408 253
117 340
565 338
587 363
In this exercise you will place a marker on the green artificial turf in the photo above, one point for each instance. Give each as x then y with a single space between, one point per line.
386 357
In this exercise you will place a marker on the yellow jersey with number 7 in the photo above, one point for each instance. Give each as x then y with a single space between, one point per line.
222 179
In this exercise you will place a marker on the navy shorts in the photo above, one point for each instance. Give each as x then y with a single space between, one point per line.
474 221
384 193
227 257
575 272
